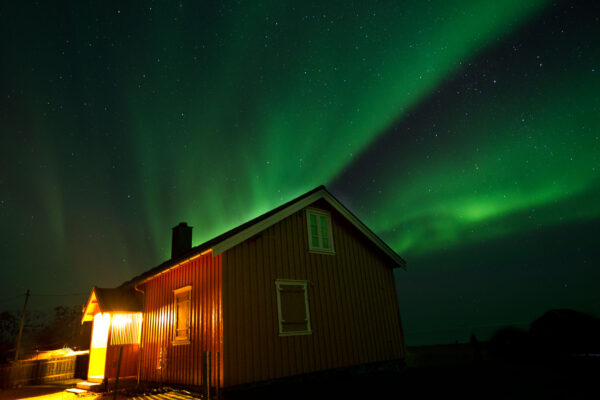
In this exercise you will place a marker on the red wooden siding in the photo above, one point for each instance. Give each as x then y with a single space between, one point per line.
352 302
129 361
181 363
130 357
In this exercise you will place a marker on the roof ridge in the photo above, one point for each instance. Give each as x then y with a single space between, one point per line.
208 244
237 234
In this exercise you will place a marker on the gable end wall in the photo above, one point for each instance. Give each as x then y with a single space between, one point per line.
352 303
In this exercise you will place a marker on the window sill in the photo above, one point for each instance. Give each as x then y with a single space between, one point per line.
300 333
322 251
178 342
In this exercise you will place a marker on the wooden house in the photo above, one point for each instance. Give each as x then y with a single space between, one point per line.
303 288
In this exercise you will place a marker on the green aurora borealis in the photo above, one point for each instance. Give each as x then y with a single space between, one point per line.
540 163
451 129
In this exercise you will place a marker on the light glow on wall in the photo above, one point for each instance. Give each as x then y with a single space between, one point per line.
126 329
98 347
100 333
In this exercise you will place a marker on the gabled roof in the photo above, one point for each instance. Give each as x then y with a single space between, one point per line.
121 299
245 231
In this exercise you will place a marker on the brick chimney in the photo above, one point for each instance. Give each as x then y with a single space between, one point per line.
182 239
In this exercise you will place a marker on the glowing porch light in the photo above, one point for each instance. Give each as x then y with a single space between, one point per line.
122 320
100 332
126 328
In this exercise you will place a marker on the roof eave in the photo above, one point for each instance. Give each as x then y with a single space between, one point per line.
219 247
322 193
400 262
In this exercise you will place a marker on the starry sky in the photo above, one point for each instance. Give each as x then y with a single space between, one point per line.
465 134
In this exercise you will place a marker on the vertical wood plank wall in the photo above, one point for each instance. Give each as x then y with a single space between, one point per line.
181 363
352 303
129 361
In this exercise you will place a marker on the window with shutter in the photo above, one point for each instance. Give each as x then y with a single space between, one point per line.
182 315
292 305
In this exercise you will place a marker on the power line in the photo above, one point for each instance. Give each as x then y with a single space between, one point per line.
59 294
11 298
5 299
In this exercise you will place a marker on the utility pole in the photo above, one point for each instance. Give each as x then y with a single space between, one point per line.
21 327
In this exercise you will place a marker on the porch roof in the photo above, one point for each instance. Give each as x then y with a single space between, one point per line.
122 299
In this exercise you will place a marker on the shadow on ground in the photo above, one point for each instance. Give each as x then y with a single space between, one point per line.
481 380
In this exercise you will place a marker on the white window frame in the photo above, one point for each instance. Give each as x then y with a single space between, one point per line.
183 339
304 284
319 213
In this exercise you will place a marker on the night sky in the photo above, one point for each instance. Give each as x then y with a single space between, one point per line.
465 134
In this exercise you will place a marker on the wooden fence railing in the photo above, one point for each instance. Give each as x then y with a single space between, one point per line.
21 373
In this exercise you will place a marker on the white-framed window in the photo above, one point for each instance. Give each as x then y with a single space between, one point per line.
183 313
292 307
320 238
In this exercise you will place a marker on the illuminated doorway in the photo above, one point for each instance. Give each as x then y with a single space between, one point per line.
98 347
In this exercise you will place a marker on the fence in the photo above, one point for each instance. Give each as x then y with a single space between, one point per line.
21 373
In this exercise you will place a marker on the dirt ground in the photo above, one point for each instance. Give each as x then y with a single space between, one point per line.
57 392
465 380
474 381
52 392
43 392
